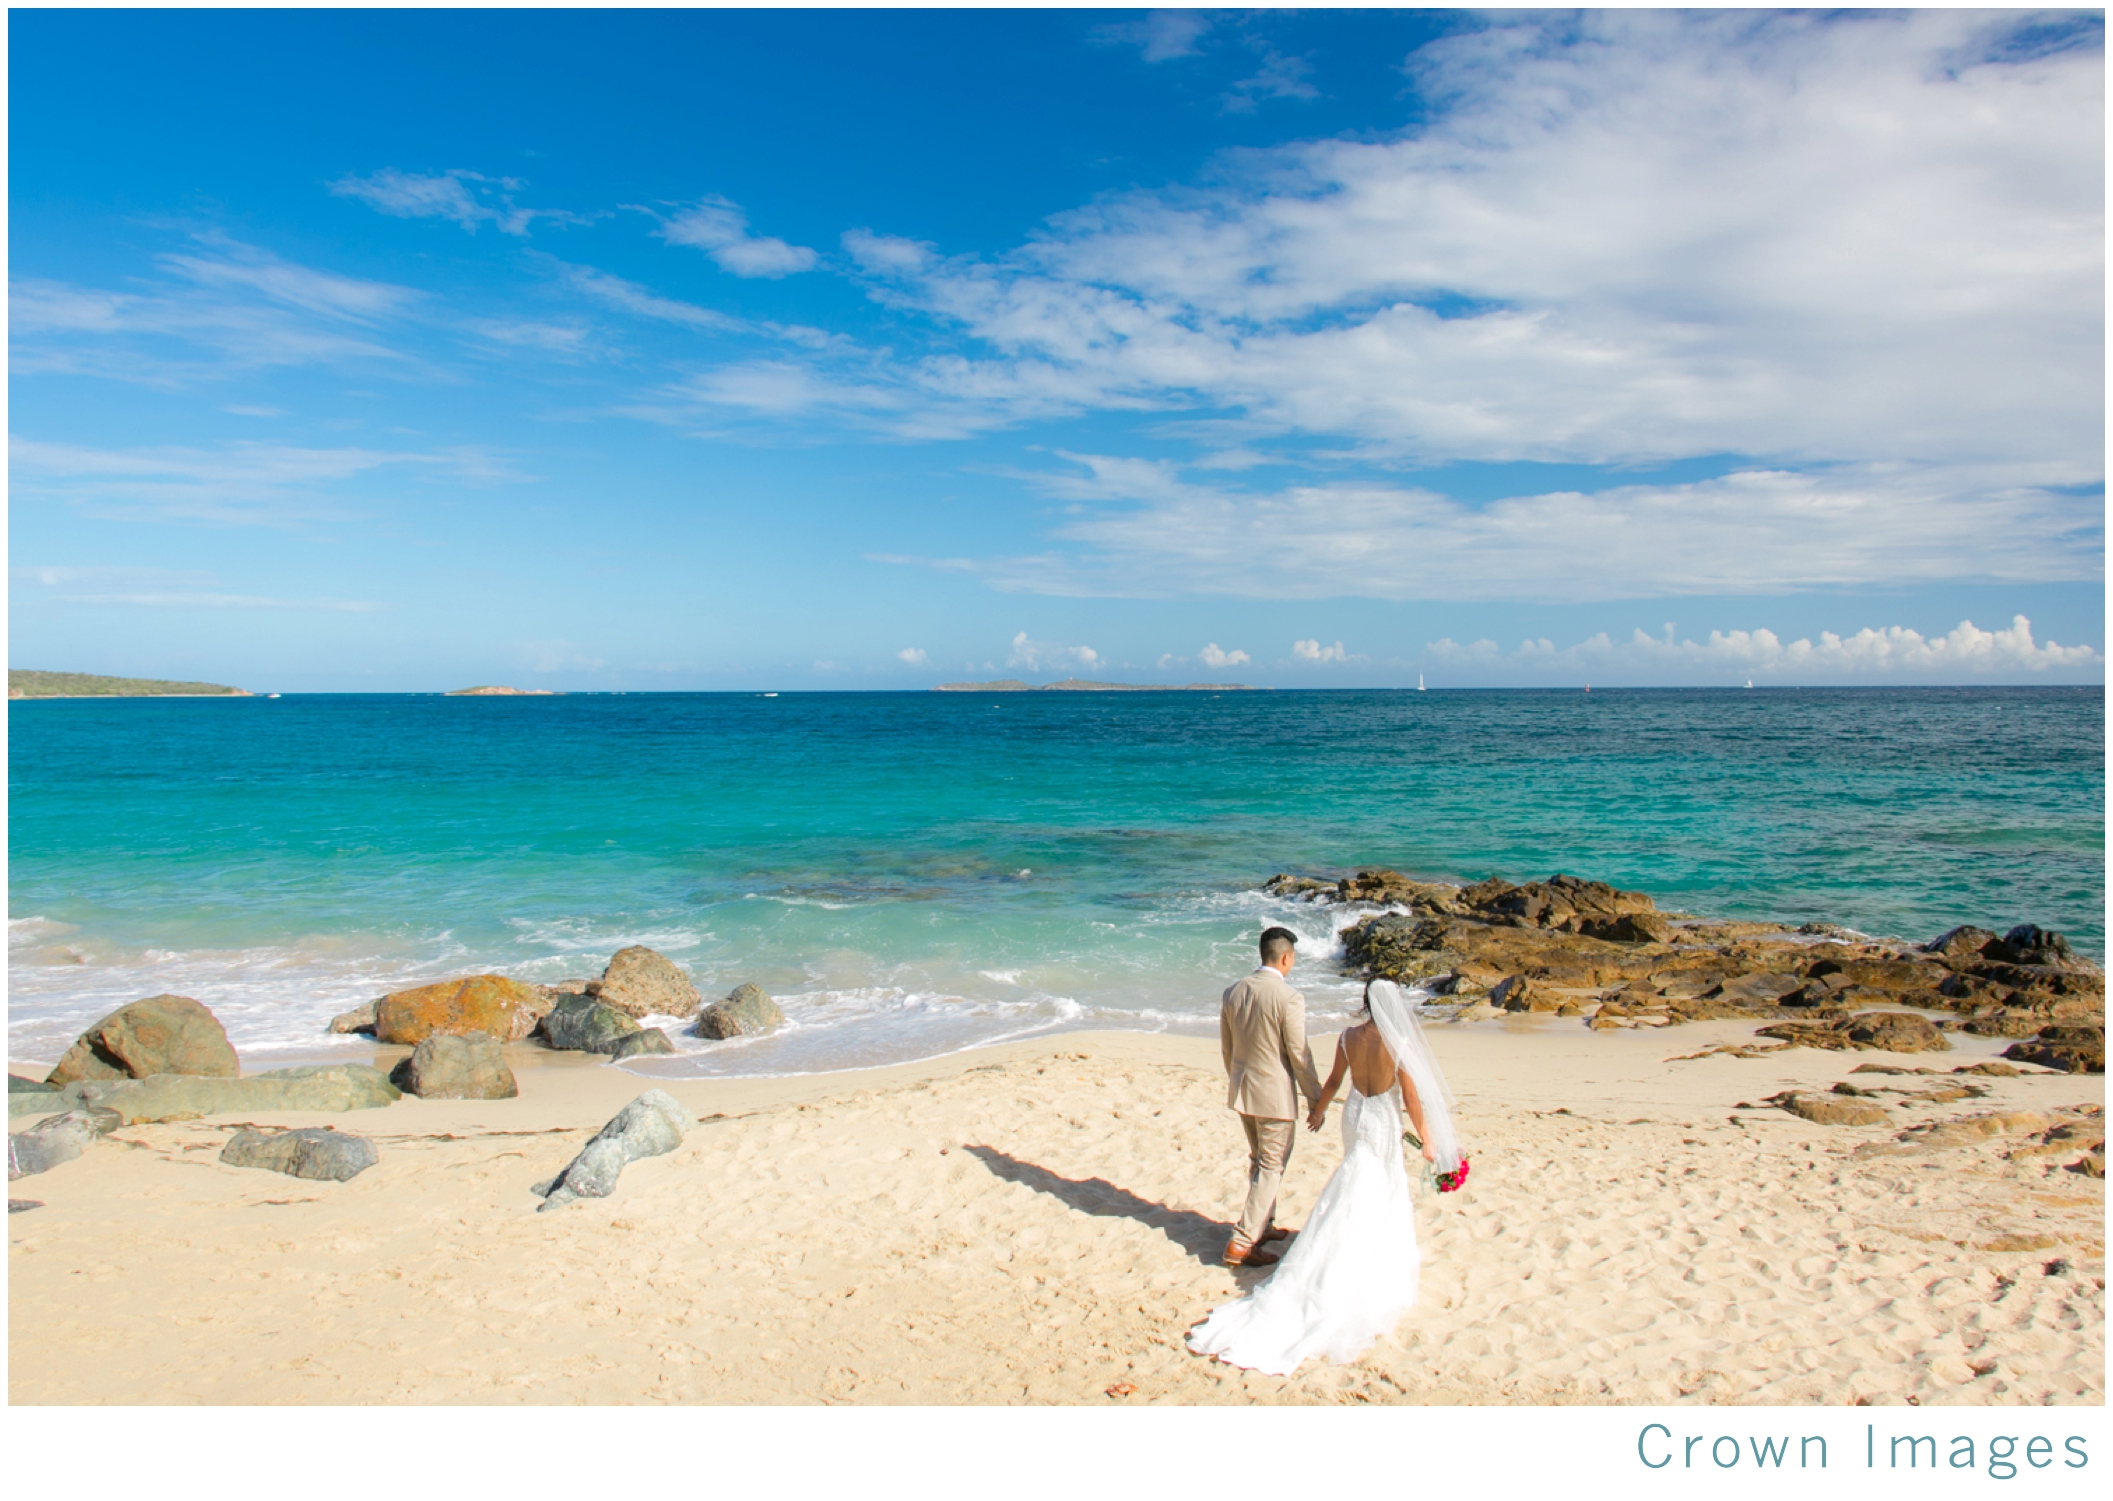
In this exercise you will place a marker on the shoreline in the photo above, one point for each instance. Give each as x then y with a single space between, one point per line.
1038 1222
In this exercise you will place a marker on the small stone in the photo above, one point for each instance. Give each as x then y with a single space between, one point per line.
1825 1110
649 1126
17 1206
310 1152
747 1012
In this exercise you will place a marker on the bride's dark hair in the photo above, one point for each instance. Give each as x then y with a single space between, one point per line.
1364 1004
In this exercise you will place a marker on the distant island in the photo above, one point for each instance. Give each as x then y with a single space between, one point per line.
1081 685
491 691
23 683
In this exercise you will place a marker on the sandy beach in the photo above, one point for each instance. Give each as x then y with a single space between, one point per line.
1041 1222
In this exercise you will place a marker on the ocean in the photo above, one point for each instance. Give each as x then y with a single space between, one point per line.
914 873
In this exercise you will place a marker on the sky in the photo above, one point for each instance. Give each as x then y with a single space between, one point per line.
400 350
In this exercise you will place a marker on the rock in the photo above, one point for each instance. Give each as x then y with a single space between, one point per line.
1896 1032
1829 930
447 1067
1996 1070
329 1087
1630 927
492 1004
582 1024
650 1125
745 1013
165 1034
1887 1031
307 1153
358 1019
1963 943
22 1206
1555 902
61 1139
16 1084
1755 990
1394 945
2070 1049
2028 943
640 982
644 1043
1831 1110
1299 888
2091 1165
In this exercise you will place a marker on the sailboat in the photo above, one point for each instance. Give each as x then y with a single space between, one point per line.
1419 682
1749 682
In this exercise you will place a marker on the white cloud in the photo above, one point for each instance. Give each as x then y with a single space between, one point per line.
1039 656
630 297
1313 651
1168 659
1143 530
161 588
1213 657
914 655
1279 77
1162 35
1892 652
457 195
720 227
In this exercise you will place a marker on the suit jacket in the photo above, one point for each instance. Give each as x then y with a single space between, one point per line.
1262 1033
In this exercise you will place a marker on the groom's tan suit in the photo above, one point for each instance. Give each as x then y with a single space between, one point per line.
1262 1033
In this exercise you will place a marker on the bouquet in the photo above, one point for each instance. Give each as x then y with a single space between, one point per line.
1446 1182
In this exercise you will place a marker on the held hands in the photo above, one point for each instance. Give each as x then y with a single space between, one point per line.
1316 1115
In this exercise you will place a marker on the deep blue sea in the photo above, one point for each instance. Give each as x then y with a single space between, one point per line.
915 873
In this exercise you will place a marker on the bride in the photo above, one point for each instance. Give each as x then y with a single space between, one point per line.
1352 1272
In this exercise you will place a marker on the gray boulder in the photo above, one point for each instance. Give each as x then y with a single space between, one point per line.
449 1067
582 1024
640 982
44 1146
646 1043
748 1012
329 1087
308 1153
650 1125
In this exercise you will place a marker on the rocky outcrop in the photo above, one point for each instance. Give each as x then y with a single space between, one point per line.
582 1024
642 983
165 1034
1883 1031
2072 1049
61 1139
650 1125
448 1067
491 1004
333 1156
328 1087
747 1012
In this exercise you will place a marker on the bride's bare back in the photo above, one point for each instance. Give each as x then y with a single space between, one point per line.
1362 1053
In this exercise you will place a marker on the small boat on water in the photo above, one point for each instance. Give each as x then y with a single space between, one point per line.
1419 682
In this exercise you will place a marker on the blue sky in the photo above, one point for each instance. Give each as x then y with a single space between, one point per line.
402 350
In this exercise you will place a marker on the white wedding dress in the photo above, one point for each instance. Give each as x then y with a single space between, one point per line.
1351 1273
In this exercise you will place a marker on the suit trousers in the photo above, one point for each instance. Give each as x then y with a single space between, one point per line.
1268 1150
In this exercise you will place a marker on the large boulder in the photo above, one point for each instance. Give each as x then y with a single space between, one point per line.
582 1024
1396 946
61 1139
650 1125
2073 1050
492 1004
165 1034
640 983
1961 944
333 1156
1561 901
447 1067
328 1087
747 1012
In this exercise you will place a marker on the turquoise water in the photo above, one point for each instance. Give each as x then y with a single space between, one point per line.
913 873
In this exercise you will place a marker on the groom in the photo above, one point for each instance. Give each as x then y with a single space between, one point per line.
1262 1033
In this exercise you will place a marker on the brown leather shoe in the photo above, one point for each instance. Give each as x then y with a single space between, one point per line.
1275 1232
1237 1254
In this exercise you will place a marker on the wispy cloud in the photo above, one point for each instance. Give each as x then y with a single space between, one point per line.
719 227
461 197
1161 36
161 589
1278 77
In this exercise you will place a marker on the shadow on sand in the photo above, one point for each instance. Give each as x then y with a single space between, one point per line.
1201 1236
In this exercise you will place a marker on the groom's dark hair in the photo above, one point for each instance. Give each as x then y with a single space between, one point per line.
1276 942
